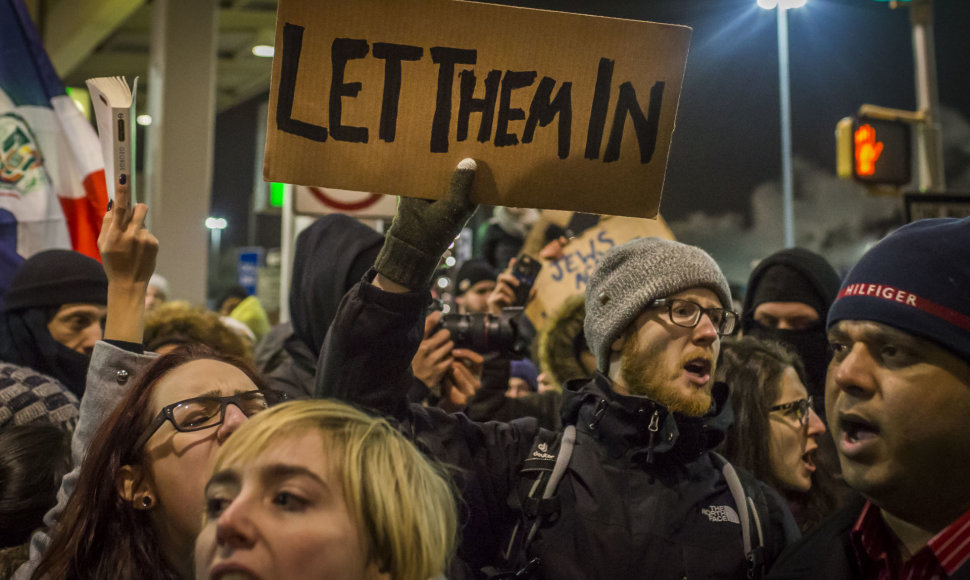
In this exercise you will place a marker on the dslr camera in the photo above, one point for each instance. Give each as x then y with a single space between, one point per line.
487 333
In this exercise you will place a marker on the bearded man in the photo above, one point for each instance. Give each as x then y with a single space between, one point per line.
630 487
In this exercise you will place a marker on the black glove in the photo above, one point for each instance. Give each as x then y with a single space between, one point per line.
423 229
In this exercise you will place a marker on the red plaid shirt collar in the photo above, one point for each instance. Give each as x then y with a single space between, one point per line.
874 547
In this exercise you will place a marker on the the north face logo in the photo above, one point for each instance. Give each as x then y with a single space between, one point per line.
721 513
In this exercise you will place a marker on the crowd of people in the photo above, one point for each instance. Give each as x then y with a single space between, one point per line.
646 430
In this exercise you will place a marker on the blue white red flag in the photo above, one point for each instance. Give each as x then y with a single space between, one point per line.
52 187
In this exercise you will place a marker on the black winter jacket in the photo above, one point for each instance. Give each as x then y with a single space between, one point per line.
635 503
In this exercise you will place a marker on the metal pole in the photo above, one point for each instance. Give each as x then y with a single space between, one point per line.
929 140
787 179
286 252
216 245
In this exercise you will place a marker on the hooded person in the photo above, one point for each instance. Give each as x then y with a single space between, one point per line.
52 315
788 298
331 256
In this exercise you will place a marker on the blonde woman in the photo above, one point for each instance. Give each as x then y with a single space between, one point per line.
318 489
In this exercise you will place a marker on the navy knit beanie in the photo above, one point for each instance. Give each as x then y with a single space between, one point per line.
916 279
472 272
56 277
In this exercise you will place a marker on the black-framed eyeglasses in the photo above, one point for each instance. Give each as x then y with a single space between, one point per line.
799 409
688 314
209 411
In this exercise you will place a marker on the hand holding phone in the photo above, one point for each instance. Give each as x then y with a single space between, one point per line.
525 271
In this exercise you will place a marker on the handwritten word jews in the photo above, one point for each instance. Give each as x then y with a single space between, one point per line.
551 100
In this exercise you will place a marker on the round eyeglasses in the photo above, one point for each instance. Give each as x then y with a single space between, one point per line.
688 314
799 409
209 411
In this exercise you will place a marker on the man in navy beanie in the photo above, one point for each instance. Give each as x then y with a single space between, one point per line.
898 402
474 282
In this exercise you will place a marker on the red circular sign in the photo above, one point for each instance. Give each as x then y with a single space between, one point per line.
321 195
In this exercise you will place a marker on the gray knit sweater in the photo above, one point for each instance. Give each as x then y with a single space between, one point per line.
107 382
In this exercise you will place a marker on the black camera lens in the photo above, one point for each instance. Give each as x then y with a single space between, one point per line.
484 333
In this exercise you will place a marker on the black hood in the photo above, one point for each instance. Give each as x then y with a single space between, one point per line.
25 341
810 343
622 422
331 256
814 268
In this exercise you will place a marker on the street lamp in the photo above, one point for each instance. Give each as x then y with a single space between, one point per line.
787 178
215 225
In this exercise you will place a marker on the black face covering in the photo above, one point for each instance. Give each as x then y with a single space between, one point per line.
812 346
25 341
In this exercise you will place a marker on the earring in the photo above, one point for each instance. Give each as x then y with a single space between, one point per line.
146 502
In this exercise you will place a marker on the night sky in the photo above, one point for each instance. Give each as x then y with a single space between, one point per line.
843 53
722 191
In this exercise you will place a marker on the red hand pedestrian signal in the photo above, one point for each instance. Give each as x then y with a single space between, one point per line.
874 151
867 150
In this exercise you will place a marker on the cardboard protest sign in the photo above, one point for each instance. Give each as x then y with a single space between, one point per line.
569 275
563 111
321 201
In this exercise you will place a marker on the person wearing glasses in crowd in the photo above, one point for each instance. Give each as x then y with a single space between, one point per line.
776 432
898 398
137 504
640 493
132 505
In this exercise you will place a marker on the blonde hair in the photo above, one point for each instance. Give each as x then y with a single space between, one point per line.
401 501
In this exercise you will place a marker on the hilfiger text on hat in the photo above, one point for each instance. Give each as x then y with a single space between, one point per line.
879 291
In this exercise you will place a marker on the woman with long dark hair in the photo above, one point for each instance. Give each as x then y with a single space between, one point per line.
131 506
136 508
776 432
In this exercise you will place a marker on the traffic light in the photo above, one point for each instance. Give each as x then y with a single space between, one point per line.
874 151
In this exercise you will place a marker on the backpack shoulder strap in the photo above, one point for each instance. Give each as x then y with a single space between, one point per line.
566 444
535 498
752 506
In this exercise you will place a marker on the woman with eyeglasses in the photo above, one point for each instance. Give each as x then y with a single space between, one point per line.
131 507
776 432
136 508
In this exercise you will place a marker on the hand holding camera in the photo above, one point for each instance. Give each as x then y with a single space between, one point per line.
434 358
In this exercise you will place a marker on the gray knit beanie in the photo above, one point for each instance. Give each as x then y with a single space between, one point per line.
633 274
